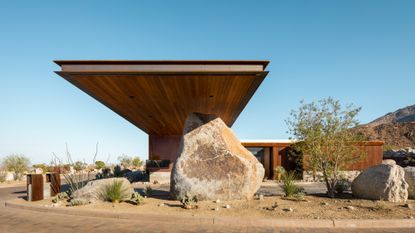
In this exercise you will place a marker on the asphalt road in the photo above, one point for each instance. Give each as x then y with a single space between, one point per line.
25 221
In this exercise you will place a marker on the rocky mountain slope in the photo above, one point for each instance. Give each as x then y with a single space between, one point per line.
397 128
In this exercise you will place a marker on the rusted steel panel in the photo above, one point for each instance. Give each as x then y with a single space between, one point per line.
164 147
373 155
35 187
55 183
280 157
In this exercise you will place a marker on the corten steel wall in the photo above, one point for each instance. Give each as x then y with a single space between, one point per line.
279 156
373 155
166 147
163 147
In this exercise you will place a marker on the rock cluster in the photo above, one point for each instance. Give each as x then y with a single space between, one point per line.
403 157
212 164
399 153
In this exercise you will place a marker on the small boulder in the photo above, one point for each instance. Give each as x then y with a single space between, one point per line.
410 179
381 182
93 190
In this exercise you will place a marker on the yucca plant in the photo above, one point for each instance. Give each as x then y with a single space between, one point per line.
288 185
115 192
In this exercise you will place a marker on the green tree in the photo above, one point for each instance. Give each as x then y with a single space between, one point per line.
125 160
322 130
45 168
79 166
137 162
17 164
99 164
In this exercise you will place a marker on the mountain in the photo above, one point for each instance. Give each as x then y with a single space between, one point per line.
403 115
397 128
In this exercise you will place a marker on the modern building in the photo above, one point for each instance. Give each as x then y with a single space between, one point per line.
157 96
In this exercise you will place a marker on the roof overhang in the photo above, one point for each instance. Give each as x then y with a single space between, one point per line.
157 96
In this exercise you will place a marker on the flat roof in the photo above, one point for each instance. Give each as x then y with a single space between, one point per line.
157 96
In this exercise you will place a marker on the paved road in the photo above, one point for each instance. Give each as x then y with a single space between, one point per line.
24 221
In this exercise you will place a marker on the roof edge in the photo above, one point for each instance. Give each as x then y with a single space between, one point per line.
264 63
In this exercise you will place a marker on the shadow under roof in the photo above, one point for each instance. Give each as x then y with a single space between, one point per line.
156 96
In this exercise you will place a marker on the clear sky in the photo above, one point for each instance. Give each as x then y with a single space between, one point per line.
360 52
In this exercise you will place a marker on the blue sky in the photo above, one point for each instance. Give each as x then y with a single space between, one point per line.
360 52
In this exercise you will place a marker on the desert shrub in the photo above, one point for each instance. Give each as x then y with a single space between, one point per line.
115 192
132 162
300 196
77 179
99 165
288 185
105 173
125 160
342 185
137 199
3 175
381 206
323 132
148 190
17 164
45 168
136 162
79 166
77 202
189 201
278 172
61 196
117 171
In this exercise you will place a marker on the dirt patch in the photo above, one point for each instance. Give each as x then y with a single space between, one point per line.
314 207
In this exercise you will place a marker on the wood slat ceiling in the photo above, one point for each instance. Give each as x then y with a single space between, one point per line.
158 102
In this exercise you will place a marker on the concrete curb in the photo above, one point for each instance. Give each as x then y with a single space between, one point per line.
232 221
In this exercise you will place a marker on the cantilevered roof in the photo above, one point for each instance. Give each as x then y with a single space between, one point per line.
156 96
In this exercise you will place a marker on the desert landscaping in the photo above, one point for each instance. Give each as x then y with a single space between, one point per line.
384 191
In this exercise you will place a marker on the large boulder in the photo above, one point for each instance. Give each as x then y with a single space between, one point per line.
381 182
93 190
410 179
212 164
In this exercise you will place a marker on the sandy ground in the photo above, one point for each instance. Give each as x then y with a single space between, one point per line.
8 184
273 205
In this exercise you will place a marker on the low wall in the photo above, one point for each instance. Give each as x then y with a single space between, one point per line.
308 176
